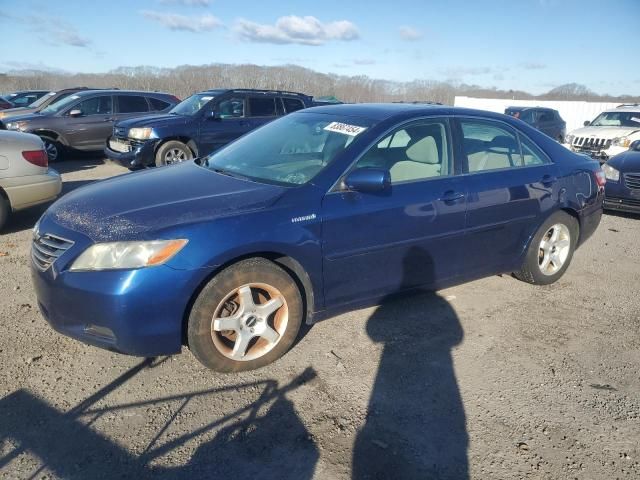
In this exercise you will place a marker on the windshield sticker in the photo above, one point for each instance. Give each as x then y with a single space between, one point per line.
345 129
51 93
635 119
74 97
206 99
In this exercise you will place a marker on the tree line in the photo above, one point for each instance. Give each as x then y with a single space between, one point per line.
187 79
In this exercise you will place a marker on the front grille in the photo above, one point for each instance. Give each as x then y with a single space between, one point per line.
591 143
632 180
45 249
632 202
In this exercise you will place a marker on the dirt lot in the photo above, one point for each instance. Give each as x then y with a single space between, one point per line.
494 379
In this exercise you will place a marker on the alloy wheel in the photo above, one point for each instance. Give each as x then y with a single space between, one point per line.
52 151
554 249
175 155
249 322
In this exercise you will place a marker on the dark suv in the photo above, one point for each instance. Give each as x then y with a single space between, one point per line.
547 120
199 125
83 121
25 98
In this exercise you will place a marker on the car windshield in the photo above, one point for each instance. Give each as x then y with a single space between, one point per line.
193 104
59 105
617 119
41 100
288 151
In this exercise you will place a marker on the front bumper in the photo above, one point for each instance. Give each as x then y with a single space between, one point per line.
30 190
136 312
598 154
619 197
142 154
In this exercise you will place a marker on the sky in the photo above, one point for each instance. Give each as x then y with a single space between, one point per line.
531 45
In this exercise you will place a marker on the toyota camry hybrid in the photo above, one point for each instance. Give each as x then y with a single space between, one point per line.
321 211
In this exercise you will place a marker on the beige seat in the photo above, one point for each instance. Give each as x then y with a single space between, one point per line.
423 162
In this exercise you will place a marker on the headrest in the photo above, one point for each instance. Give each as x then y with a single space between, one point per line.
424 151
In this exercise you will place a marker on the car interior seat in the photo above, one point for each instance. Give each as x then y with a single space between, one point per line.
423 161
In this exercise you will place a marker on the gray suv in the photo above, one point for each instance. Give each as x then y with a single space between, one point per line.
547 120
85 120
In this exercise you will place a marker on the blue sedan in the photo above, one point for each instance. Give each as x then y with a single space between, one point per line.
623 181
324 210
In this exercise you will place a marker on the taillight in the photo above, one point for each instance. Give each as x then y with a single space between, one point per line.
601 179
36 157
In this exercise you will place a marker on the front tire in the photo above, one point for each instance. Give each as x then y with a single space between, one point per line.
5 210
172 152
550 251
54 149
246 317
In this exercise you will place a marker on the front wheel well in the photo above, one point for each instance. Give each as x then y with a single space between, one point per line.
50 134
289 264
189 142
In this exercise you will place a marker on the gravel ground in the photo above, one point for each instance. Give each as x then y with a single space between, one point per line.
494 379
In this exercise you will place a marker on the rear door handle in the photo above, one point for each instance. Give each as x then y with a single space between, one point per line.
451 196
548 180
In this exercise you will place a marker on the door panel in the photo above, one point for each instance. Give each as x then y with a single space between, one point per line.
231 124
90 130
380 244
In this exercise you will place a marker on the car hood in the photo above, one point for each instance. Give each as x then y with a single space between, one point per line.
603 132
26 117
153 121
137 205
628 161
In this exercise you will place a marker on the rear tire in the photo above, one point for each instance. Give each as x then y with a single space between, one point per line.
550 251
172 152
54 149
5 210
246 317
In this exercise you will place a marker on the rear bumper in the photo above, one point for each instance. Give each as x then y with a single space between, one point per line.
140 156
30 190
590 217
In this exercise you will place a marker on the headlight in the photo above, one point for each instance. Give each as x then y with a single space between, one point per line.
140 133
611 173
621 142
107 256
569 139
22 126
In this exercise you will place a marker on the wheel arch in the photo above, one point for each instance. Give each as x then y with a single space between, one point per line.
4 195
52 134
292 266
188 141
564 208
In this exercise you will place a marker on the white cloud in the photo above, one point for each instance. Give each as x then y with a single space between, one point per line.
465 71
56 32
364 61
410 34
293 29
176 22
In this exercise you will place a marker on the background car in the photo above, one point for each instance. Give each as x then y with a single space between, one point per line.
41 103
610 133
5 104
547 120
25 179
83 121
25 98
623 181
323 210
198 126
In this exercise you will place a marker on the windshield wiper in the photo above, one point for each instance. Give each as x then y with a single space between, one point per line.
227 172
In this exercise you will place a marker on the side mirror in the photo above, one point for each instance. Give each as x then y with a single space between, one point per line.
368 180
214 115
635 146
586 123
75 112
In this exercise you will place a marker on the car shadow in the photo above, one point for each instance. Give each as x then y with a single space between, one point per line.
263 439
415 426
621 214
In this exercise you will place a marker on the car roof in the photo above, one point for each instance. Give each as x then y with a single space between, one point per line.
114 91
383 111
220 91
624 108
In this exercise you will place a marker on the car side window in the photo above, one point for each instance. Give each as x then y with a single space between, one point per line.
531 154
157 104
95 106
231 108
262 106
132 104
417 151
545 116
489 146
292 104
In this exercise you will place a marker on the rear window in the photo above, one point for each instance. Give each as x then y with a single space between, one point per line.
292 104
157 104
262 106
132 104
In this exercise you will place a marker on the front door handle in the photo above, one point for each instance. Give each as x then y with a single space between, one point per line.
451 196
548 180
